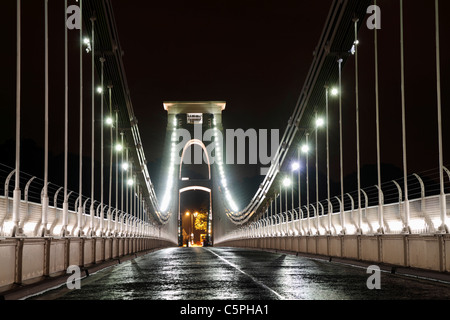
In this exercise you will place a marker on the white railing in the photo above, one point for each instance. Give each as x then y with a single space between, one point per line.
425 218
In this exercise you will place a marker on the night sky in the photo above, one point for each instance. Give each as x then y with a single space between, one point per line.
254 55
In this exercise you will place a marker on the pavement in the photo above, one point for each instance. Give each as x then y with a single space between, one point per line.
225 274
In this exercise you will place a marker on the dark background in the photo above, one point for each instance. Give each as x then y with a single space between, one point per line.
254 55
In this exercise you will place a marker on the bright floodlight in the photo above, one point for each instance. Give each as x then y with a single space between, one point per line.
319 122
295 166
109 121
334 92
99 89
119 147
286 182
305 148
125 166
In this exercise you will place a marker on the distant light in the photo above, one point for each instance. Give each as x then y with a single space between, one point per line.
286 182
319 122
125 166
305 148
188 213
130 182
334 92
99 89
109 121
87 42
119 147
356 42
295 166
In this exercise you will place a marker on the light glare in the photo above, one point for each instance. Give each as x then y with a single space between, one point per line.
319 122
119 147
295 166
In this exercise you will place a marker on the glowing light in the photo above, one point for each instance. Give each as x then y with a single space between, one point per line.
334 92
109 121
319 122
99 89
125 166
119 148
286 182
305 148
87 42
130 182
295 166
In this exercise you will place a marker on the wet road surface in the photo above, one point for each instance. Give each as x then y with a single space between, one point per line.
239 274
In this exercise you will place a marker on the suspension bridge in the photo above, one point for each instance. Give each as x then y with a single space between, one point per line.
45 228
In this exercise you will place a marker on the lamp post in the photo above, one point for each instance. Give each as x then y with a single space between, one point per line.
341 156
66 122
358 161
117 165
334 92
189 236
443 205
100 91
305 149
295 166
121 177
45 195
319 124
405 170
127 182
300 225
109 121
92 212
80 205
17 191
286 184
192 222
377 116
